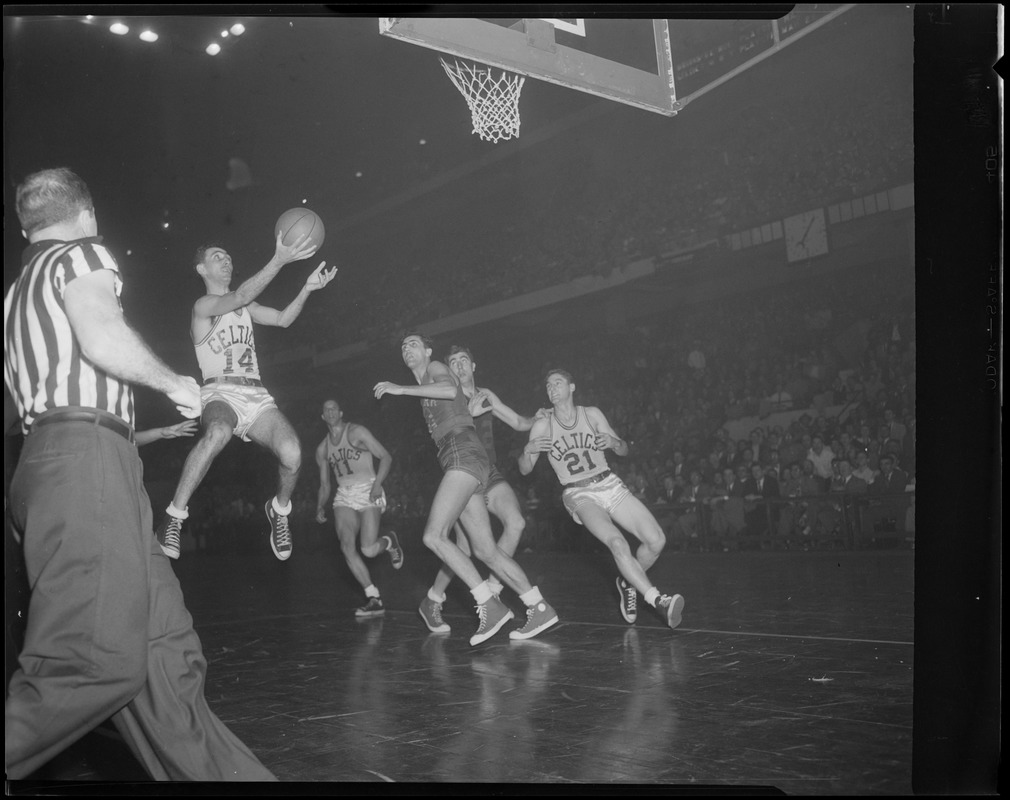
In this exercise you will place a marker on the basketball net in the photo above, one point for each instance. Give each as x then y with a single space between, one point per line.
493 101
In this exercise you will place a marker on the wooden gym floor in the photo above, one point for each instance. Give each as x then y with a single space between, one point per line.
792 671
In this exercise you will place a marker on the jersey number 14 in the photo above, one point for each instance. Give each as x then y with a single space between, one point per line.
245 360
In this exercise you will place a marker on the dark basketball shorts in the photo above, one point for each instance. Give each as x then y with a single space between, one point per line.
463 450
494 478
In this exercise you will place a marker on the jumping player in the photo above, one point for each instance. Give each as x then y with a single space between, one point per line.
234 400
500 498
350 451
460 495
575 438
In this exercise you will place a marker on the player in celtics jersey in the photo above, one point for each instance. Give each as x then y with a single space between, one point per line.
350 450
233 398
574 439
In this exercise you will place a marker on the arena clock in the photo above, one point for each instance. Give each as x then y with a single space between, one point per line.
806 235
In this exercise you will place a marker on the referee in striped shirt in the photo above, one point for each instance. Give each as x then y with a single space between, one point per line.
108 634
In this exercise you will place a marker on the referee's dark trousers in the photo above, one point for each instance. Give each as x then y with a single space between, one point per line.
108 634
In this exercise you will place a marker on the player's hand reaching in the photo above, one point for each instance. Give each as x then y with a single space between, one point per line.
300 249
604 441
187 428
479 404
385 387
319 278
320 515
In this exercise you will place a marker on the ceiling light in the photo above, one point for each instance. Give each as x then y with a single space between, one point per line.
238 29
149 36
213 49
119 29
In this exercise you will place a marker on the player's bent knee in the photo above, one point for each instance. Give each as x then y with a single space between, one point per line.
432 540
371 550
218 434
290 455
618 545
656 539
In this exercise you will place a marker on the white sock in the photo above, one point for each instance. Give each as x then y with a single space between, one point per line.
532 597
481 593
371 591
494 584
652 596
174 512
434 597
280 509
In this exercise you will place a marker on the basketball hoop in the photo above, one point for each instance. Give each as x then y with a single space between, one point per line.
493 101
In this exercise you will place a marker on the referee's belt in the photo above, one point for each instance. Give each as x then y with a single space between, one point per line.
590 481
91 416
234 379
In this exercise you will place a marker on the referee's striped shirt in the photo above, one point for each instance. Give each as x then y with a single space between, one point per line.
44 367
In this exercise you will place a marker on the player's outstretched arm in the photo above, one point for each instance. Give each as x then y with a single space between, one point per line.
181 429
513 419
443 387
323 495
539 442
605 436
214 305
264 315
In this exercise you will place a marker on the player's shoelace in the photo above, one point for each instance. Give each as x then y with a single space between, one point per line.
436 613
173 533
482 616
531 612
283 532
630 599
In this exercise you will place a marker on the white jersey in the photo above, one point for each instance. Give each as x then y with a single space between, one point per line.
350 465
573 452
229 349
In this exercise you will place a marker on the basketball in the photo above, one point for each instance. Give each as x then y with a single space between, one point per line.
296 222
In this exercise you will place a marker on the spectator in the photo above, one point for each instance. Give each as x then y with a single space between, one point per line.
727 507
761 512
671 492
695 494
891 479
862 469
822 458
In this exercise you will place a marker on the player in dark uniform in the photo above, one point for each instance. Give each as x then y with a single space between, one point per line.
460 495
501 499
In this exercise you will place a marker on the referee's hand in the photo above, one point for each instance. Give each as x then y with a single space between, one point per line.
187 397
